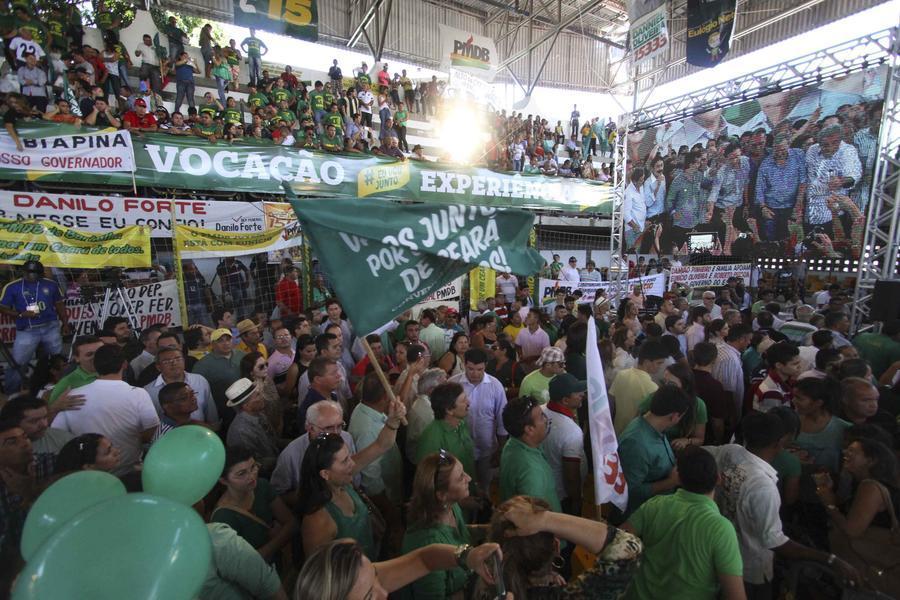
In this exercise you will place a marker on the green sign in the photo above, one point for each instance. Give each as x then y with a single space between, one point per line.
293 18
383 257
187 162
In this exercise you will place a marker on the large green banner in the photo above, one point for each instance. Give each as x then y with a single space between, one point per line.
384 257
167 161
293 18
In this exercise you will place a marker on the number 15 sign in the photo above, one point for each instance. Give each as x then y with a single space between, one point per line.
294 18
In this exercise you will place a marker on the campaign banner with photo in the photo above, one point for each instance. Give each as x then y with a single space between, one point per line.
293 18
709 29
649 35
760 183
190 163
104 151
193 242
102 214
468 52
708 275
653 285
58 246
153 303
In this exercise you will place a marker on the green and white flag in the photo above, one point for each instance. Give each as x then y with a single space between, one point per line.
383 257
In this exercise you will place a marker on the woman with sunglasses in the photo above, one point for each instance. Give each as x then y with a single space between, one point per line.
251 506
329 506
255 367
435 517
340 570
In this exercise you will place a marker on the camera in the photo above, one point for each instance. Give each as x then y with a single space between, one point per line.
812 236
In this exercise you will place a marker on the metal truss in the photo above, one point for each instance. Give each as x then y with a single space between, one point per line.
851 56
618 259
373 15
881 241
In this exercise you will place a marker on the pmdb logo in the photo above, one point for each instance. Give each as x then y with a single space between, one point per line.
467 54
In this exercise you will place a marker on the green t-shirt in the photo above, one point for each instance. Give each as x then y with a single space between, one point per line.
335 119
56 26
438 584
251 530
258 99
646 457
677 431
312 142
333 143
524 471
232 116
207 130
233 58
406 83
302 105
536 385
878 350
317 100
687 545
253 46
305 119
279 94
401 117
363 78
787 465
286 115
438 435
212 109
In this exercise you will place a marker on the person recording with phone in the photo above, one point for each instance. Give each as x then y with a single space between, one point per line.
39 308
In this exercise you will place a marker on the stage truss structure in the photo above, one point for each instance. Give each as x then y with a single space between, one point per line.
881 238
881 243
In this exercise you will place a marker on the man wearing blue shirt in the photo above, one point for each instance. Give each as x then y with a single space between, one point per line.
780 182
39 308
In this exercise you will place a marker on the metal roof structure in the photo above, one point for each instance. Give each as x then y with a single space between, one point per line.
578 44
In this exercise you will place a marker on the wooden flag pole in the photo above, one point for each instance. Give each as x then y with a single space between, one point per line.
381 376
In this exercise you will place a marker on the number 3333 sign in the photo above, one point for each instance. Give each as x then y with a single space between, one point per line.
294 18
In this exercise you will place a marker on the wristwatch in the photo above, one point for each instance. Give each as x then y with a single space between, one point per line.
831 559
462 554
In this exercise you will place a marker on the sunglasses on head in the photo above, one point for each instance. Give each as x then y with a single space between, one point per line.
444 458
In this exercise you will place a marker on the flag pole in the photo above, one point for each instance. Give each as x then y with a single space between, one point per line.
381 376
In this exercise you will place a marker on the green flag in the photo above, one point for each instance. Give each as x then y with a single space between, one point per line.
383 257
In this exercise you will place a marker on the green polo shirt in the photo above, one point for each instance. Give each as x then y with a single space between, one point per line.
334 143
525 471
457 441
258 99
673 433
75 379
687 545
232 116
236 570
317 100
220 372
536 385
437 585
279 94
646 458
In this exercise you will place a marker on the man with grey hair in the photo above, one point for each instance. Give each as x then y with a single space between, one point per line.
325 416
709 301
421 413
781 181
832 168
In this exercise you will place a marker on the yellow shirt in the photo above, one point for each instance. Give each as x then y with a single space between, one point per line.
512 331
243 347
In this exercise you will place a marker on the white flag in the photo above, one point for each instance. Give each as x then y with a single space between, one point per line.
609 479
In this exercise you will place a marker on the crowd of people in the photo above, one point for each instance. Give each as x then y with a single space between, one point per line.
800 187
756 445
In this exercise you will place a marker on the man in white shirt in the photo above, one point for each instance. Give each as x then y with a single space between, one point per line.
487 399
564 444
748 496
634 208
709 301
114 409
146 51
696 331
570 271
728 368
508 285
170 363
366 100
532 340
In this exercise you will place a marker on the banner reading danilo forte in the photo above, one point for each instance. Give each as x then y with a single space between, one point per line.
189 163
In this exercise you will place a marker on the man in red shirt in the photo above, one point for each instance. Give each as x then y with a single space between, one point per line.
290 80
139 120
287 294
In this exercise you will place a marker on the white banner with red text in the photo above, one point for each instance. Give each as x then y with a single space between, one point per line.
102 214
652 285
154 303
106 151
709 275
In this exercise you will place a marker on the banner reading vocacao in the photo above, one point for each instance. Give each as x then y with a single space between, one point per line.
58 246
190 163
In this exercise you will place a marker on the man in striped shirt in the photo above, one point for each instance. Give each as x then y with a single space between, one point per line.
728 368
777 388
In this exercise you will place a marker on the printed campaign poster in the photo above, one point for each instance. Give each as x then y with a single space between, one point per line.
708 275
710 24
653 285
468 52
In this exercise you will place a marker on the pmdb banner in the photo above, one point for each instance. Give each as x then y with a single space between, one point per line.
468 52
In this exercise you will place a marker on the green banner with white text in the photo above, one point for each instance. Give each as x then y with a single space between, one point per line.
166 161
293 18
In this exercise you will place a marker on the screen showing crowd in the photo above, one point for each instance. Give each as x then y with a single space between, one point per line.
786 174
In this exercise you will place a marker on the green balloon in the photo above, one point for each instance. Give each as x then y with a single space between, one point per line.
136 546
184 464
63 500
